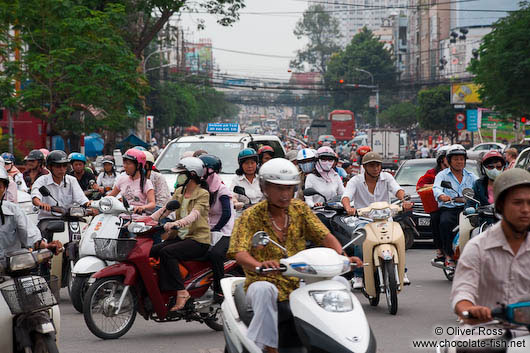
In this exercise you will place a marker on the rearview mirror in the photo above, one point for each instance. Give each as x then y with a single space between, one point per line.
468 193
447 185
310 192
240 190
44 191
519 313
172 205
260 238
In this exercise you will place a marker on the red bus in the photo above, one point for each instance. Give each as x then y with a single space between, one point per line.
342 124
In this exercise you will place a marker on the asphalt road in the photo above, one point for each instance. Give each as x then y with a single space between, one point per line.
423 306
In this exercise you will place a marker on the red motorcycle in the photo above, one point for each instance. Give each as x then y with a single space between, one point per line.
121 290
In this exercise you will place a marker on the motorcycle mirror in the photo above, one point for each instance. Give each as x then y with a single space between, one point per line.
310 192
172 205
519 313
44 191
260 238
125 203
358 238
468 193
447 185
240 190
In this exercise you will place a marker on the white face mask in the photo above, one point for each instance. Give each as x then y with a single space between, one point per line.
307 167
493 173
326 165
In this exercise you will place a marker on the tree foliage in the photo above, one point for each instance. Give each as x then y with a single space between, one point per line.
322 31
503 67
401 115
435 111
366 52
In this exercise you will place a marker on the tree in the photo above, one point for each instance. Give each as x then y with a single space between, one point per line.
503 68
364 52
76 66
401 115
173 104
435 111
322 31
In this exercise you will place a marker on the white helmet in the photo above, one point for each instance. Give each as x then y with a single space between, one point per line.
2 162
149 157
455 150
191 165
3 175
279 171
306 153
442 151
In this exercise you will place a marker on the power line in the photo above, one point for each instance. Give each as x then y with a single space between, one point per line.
255 54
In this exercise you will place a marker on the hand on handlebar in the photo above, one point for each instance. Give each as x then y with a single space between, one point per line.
477 314
444 198
273 264
172 226
357 262
407 205
55 246
318 204
45 207
138 209
351 211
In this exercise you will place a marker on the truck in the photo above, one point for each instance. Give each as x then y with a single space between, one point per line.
318 128
386 142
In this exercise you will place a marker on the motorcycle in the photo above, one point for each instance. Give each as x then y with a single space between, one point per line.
121 290
29 314
107 222
67 229
321 316
384 253
507 333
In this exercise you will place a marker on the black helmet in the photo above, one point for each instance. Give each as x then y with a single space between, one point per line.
56 157
35 155
211 161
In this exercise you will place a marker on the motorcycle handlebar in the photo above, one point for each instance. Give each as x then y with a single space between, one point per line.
262 270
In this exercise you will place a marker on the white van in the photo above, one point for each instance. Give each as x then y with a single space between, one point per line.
224 146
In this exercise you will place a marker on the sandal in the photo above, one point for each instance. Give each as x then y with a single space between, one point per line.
182 299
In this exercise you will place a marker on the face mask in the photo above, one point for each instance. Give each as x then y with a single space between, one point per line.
307 167
326 165
493 173
181 180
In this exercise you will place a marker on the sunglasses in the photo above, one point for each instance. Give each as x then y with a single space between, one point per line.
493 166
327 158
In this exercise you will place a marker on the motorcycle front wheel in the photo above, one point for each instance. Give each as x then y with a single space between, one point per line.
389 277
43 343
78 291
100 304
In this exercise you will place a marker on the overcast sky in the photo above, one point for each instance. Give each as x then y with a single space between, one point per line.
265 34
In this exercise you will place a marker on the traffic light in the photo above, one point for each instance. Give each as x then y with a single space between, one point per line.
523 120
341 81
149 124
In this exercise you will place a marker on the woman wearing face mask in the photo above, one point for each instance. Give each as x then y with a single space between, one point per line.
493 164
221 220
306 163
324 180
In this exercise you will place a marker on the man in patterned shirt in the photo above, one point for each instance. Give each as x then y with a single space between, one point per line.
289 222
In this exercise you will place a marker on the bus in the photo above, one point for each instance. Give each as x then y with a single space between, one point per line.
342 124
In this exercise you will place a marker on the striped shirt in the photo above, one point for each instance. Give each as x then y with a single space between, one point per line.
488 272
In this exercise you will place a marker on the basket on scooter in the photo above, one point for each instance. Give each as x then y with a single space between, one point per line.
114 249
28 294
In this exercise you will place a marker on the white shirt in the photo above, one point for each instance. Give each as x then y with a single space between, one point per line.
252 190
328 189
424 152
17 230
105 180
19 181
357 190
68 193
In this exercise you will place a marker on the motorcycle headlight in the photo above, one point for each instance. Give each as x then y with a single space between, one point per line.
43 255
77 212
302 267
381 214
138 227
22 261
333 300
105 204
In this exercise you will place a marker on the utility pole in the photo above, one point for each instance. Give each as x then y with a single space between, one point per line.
376 95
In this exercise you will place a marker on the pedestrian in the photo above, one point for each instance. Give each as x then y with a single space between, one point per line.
510 155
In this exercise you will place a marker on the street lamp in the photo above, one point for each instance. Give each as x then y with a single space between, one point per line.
376 95
155 52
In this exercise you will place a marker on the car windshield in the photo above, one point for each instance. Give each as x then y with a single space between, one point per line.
409 173
226 151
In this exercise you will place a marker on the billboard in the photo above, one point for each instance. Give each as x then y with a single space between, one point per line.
199 57
464 93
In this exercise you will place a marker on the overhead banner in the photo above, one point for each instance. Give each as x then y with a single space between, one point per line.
464 93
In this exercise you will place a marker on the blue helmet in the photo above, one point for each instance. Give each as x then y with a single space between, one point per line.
8 157
247 153
76 156
141 148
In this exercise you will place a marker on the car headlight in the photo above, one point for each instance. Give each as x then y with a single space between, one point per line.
77 212
302 267
384 213
333 300
105 204
22 261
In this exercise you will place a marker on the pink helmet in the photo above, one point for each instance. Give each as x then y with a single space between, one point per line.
135 156
326 151
45 152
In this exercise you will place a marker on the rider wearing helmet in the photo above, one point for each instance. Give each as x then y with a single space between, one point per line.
133 185
494 266
192 239
427 180
84 177
493 164
14 173
34 167
62 187
11 193
221 219
306 159
450 202
286 221
247 178
360 152
265 153
107 177
162 194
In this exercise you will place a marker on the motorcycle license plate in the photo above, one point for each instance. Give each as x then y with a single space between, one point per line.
424 222
75 231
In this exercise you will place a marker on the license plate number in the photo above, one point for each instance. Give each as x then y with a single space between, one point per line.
424 222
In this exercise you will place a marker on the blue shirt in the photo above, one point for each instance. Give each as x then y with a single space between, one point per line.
446 175
341 172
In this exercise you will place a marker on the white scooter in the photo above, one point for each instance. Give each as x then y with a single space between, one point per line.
107 222
29 314
324 316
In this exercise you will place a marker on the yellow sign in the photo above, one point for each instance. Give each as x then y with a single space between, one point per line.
464 93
